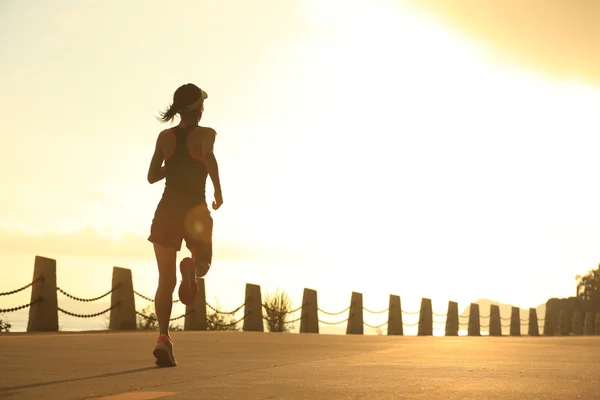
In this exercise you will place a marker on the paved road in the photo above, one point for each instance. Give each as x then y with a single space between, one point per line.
248 365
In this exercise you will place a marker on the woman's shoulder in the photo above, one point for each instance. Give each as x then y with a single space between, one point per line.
204 130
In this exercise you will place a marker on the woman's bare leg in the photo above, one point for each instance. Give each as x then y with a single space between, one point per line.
166 258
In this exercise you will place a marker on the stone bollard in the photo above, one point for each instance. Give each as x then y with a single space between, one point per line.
309 323
588 325
550 320
577 326
495 321
534 329
395 326
195 314
355 318
597 324
515 321
452 319
474 325
43 312
562 324
122 316
253 316
425 318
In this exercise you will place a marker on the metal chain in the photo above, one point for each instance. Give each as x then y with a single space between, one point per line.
171 319
182 315
294 320
439 322
415 324
439 315
233 323
20 307
485 316
375 326
410 313
149 299
337 313
39 278
335 323
88 315
463 316
87 300
272 310
225 312
376 312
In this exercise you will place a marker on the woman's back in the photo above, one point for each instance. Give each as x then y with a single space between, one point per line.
185 171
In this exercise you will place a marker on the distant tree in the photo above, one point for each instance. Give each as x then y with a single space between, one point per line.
4 326
588 290
277 308
215 321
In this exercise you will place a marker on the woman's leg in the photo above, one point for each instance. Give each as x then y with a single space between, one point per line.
199 229
166 258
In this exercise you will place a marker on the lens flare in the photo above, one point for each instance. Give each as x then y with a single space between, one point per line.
195 224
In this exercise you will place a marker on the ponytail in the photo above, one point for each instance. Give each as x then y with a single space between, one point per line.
169 114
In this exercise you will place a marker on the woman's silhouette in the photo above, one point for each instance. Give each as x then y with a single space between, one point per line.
182 213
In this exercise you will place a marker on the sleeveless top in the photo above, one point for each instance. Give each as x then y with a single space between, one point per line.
185 180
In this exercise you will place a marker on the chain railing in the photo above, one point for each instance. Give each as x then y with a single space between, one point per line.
217 311
89 299
334 314
151 300
463 320
150 317
38 279
24 306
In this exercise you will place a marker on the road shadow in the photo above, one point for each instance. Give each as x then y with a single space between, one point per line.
3 391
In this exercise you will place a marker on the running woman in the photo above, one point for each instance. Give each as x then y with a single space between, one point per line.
182 213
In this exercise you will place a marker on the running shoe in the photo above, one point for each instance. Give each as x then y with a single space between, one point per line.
188 287
163 351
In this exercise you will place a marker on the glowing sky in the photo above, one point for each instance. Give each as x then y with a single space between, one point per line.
362 146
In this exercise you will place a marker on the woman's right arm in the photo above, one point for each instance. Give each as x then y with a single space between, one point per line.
208 142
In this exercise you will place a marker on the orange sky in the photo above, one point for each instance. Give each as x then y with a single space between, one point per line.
371 146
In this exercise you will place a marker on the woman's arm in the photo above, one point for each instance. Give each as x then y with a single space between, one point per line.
212 167
156 172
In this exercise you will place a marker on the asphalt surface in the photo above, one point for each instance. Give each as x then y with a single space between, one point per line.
250 365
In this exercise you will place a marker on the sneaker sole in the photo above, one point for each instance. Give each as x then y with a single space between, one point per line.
163 358
188 287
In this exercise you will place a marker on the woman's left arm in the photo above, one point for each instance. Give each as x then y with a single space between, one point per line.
156 172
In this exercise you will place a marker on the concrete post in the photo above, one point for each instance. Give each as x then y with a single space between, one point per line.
534 329
577 326
562 326
426 318
515 321
355 319
495 321
597 324
550 320
588 325
452 319
474 325
253 309
122 316
309 323
43 314
195 314
395 326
